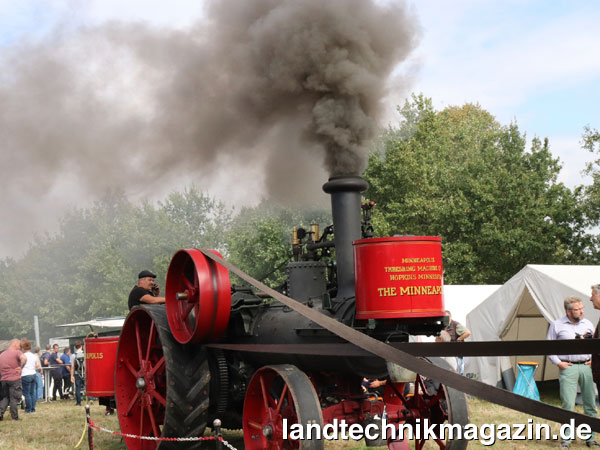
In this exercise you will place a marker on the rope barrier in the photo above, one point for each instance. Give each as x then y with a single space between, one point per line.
90 425
85 427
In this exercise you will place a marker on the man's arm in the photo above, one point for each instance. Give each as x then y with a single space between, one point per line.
462 332
149 299
463 336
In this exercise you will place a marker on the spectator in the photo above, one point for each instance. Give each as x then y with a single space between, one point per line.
574 369
55 361
458 333
77 365
45 359
65 359
11 362
28 376
146 291
39 383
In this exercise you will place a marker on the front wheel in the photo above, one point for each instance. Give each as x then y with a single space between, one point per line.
434 402
279 397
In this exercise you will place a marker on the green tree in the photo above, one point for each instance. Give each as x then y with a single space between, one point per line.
459 174
259 241
590 141
88 267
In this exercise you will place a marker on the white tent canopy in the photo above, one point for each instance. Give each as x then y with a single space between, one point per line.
460 300
522 309
110 322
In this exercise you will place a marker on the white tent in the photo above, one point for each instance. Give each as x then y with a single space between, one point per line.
522 309
460 300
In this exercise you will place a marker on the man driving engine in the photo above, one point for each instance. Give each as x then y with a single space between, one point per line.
146 291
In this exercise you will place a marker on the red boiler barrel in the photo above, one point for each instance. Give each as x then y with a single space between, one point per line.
398 277
100 360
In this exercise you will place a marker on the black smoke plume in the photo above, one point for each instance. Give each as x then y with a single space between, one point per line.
285 87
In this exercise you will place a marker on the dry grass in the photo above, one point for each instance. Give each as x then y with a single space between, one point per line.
59 426
56 426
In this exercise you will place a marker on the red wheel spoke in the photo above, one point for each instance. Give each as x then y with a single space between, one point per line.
155 429
255 425
159 398
141 433
158 365
188 283
151 338
131 369
284 392
265 395
436 398
188 310
132 403
138 341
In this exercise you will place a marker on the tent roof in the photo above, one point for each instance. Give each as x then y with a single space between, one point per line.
109 322
543 288
579 278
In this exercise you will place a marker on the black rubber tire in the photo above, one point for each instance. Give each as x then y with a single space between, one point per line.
188 380
458 412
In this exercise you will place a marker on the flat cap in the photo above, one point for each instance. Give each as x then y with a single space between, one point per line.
146 274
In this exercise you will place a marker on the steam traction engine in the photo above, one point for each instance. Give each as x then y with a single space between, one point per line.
220 351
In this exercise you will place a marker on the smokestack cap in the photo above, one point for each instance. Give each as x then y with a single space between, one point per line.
345 183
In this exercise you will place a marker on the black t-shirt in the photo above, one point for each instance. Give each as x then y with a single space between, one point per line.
54 360
135 296
45 356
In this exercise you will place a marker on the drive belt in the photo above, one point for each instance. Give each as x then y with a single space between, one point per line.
418 365
499 348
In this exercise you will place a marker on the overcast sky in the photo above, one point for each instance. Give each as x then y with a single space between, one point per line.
535 62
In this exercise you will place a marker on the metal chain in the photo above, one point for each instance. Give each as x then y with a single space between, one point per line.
153 438
227 444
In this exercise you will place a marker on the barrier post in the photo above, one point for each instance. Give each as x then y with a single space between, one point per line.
218 436
90 430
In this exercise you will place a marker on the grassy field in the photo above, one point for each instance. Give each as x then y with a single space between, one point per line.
60 425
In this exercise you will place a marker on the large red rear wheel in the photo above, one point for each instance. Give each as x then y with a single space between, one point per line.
198 297
162 386
275 394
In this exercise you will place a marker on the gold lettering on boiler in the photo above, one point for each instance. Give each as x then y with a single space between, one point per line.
409 290
413 272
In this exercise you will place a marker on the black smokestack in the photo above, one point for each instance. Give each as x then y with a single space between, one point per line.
345 207
280 86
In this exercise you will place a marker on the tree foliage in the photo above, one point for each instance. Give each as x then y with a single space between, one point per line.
260 239
591 142
87 269
459 174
